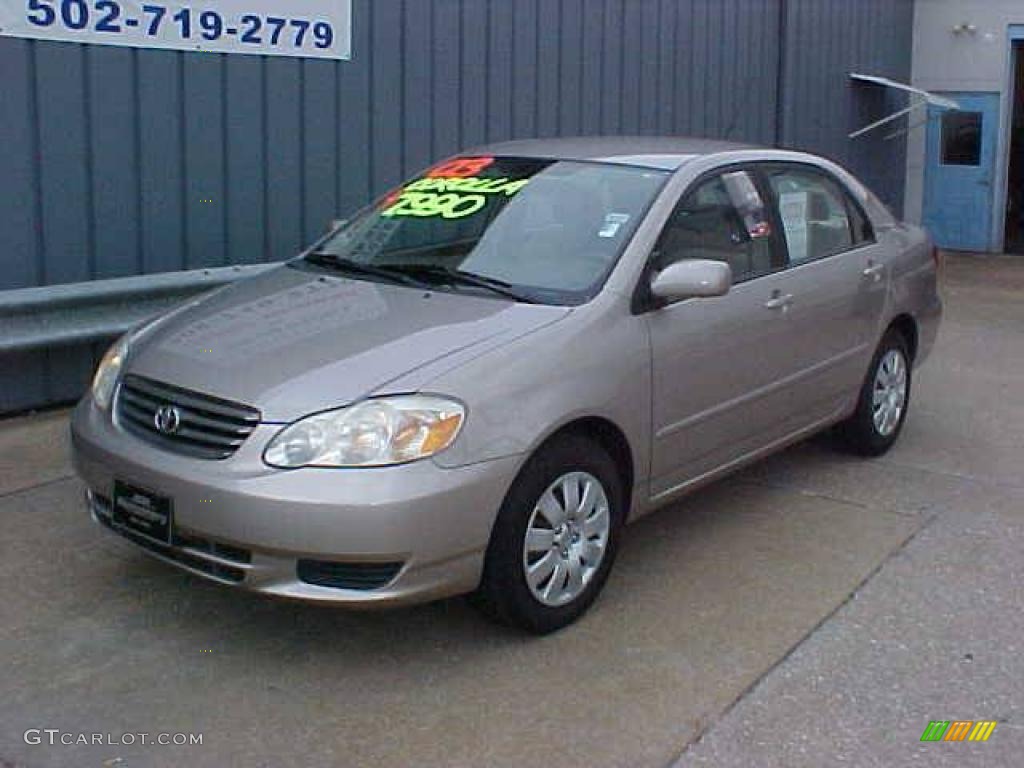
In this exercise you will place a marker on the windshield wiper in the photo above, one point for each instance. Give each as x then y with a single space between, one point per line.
460 277
322 258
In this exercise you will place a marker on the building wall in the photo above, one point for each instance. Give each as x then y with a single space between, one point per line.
978 61
115 161
825 42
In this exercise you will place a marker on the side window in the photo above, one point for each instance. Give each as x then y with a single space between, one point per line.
813 214
861 225
723 219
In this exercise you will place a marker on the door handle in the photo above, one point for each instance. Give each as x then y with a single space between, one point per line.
874 271
779 301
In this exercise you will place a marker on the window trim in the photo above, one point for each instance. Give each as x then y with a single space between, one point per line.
848 198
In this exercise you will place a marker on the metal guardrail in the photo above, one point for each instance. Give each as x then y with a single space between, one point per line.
80 313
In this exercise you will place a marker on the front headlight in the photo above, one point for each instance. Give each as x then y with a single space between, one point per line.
108 372
373 433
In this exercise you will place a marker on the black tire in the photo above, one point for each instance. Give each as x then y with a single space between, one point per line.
860 432
503 594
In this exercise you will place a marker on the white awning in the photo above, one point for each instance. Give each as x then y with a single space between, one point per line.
926 98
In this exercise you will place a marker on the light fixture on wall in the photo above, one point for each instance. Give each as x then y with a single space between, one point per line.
963 28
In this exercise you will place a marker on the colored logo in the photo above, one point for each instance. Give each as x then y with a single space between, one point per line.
958 730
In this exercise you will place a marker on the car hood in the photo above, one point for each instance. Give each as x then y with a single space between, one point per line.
291 342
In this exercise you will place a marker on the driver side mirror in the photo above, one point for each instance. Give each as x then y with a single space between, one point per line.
691 278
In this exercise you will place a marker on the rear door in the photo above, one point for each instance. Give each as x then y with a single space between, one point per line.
720 364
838 275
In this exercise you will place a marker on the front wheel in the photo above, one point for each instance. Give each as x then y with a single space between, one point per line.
883 401
555 538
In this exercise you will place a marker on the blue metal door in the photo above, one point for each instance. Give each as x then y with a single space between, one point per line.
959 169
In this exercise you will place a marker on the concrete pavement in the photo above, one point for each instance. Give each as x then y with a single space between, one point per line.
937 633
815 607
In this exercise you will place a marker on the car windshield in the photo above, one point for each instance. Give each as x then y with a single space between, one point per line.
537 230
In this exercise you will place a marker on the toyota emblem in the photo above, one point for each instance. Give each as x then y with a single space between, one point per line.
167 419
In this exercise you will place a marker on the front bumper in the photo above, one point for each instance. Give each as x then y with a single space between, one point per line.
419 529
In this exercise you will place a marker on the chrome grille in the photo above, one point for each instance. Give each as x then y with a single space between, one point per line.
208 427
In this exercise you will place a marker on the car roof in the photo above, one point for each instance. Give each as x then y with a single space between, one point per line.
663 152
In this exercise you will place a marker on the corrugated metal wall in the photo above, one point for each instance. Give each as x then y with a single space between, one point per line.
826 40
116 161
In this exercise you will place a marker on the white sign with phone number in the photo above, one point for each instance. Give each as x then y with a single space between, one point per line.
310 29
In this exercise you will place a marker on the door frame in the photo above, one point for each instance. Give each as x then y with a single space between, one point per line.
1015 34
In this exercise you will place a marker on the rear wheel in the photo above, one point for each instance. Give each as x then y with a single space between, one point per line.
884 398
555 538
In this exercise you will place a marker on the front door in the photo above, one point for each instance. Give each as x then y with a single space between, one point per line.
720 364
961 149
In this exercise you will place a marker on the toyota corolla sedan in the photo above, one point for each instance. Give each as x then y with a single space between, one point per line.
476 382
